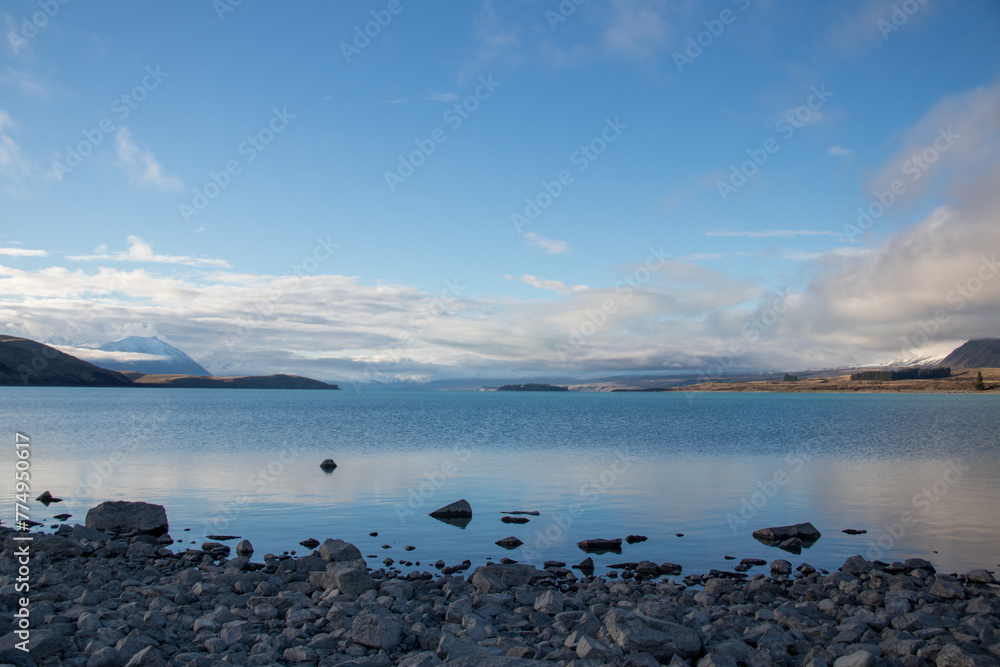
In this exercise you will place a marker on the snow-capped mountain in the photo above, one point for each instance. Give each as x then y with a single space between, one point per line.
144 355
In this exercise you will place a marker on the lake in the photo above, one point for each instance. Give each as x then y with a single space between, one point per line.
919 472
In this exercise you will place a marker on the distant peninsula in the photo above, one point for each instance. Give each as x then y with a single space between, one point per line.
532 387
28 363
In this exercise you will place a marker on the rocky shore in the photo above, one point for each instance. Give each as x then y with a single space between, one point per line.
120 597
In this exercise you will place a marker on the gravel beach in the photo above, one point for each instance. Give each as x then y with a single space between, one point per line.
123 598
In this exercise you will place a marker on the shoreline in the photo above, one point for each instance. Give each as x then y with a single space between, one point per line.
105 598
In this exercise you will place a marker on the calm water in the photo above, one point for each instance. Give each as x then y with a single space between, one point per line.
920 472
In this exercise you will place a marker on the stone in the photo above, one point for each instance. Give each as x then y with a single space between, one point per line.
856 659
857 565
352 581
487 582
601 545
661 639
457 510
422 659
244 548
947 588
310 543
147 657
550 602
339 551
120 516
105 656
328 464
716 660
376 630
514 519
980 577
588 648
635 539
804 531
509 542
47 498
780 567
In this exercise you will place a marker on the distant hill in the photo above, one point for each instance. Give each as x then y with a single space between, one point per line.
248 382
981 353
146 355
532 387
27 363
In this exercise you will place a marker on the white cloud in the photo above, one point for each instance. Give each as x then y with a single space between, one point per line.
22 252
398 100
769 233
14 167
637 28
840 151
548 245
140 251
141 166
542 283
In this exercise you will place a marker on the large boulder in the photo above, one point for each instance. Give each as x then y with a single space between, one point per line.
120 516
339 551
459 509
662 639
376 630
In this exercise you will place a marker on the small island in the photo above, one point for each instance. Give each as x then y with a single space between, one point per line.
532 387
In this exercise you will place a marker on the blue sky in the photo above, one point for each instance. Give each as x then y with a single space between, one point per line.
231 147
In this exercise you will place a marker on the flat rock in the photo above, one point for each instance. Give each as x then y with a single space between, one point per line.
804 531
601 545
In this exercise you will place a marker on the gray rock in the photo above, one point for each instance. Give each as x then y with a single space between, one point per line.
856 659
781 567
980 577
717 660
376 630
550 602
328 464
947 588
857 565
588 648
339 551
804 531
244 548
352 581
119 516
43 645
459 509
422 659
661 639
105 657
147 657
57 547
487 582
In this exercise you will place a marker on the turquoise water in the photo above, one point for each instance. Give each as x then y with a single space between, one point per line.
920 472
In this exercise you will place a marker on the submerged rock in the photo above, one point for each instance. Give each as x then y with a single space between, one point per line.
328 465
514 519
509 542
804 531
601 545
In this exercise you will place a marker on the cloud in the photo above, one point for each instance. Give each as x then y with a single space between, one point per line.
140 251
14 167
443 97
548 245
22 252
542 283
141 166
839 151
637 29
770 233
398 100
26 83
